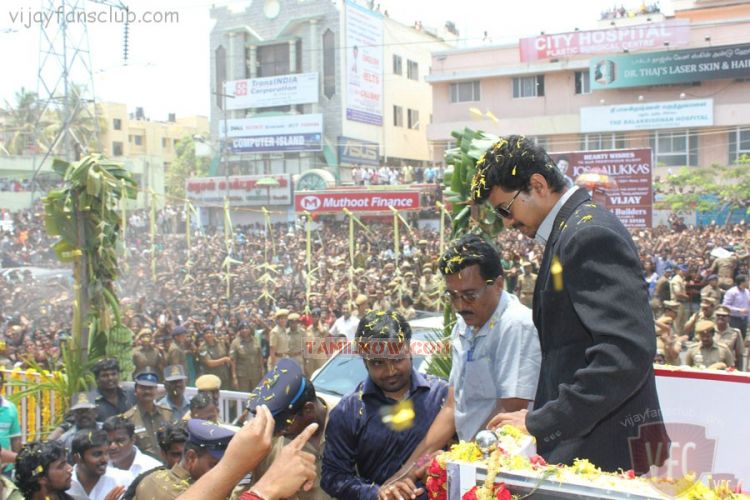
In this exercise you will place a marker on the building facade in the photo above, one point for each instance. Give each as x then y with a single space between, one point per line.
678 85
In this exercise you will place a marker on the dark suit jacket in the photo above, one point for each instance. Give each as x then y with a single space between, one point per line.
596 386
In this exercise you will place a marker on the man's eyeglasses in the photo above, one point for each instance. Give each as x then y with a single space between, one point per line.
469 296
504 212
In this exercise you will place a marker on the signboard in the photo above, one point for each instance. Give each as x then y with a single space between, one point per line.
243 190
357 152
282 90
355 201
605 41
630 169
364 65
275 133
648 116
679 66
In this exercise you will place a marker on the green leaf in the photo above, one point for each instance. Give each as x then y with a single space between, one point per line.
60 167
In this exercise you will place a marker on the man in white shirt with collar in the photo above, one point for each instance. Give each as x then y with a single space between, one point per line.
123 453
92 478
346 324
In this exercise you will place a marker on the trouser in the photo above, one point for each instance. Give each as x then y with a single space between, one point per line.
682 317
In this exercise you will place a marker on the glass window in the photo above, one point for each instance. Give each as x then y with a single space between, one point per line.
582 82
116 149
273 59
398 116
117 124
397 65
413 119
465 91
675 148
138 140
608 140
739 144
329 64
528 86
412 70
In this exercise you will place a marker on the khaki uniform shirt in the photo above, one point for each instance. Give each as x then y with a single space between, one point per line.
147 357
164 484
247 361
717 353
176 355
216 351
146 425
297 345
317 355
525 288
732 338
677 286
714 293
279 339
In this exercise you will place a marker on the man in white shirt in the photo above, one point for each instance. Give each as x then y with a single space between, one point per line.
346 324
123 453
92 478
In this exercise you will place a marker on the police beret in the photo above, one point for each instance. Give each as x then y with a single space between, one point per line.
703 325
721 311
280 390
209 436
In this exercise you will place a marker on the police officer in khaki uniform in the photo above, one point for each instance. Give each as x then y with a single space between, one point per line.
316 336
296 339
204 448
247 361
279 338
525 286
707 353
146 416
706 311
145 354
214 357
730 337
429 286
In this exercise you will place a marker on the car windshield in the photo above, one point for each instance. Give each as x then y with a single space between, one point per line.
342 374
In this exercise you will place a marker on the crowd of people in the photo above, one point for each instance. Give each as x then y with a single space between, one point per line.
370 176
621 12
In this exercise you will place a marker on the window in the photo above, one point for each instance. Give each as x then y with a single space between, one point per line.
602 141
221 75
397 65
675 148
412 70
465 91
739 144
164 143
116 149
329 64
398 116
138 140
273 59
412 119
528 86
583 83
117 124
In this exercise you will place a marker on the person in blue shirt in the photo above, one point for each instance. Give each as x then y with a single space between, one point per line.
362 451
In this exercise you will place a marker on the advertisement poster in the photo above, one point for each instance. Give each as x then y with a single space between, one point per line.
364 65
275 133
355 201
648 116
242 190
282 90
358 152
629 172
678 66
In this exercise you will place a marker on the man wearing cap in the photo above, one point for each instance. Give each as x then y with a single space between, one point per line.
661 290
247 361
712 289
729 336
145 354
204 448
707 353
146 416
678 289
175 400
214 358
526 283
291 399
279 338
178 349
84 418
296 339
429 286
706 311
346 324
362 303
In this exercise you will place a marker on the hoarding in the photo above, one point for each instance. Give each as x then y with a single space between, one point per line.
358 152
632 198
364 65
275 133
282 90
648 116
355 201
242 190
605 41
678 66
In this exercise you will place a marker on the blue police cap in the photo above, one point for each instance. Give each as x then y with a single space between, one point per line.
179 330
209 436
147 377
280 390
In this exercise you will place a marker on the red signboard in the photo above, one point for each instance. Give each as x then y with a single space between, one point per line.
355 201
630 196
613 40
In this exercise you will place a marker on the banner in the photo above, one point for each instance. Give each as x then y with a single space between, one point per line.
274 133
243 190
679 66
647 116
282 90
610 40
357 152
364 65
355 201
631 199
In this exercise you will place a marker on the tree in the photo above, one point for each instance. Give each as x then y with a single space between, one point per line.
21 118
186 165
83 125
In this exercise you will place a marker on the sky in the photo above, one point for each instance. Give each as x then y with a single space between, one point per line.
168 65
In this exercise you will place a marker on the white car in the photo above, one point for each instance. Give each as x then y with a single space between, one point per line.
342 372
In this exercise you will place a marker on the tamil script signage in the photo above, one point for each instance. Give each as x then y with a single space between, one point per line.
364 65
242 190
357 152
355 201
647 116
275 133
679 66
605 41
282 90
631 172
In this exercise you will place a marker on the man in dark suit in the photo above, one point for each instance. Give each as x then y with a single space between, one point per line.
591 310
